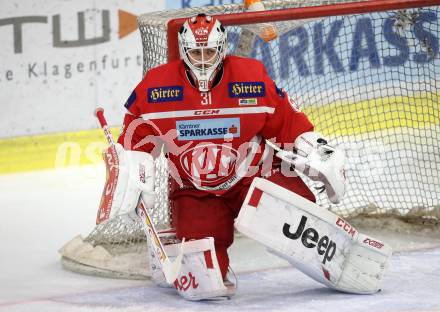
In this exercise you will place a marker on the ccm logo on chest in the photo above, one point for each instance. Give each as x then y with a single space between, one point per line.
246 89
310 239
165 94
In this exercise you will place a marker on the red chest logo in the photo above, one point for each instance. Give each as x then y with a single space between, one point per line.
209 163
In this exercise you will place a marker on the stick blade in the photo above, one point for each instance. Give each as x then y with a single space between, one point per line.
170 269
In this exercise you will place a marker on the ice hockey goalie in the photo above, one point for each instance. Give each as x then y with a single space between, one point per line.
214 114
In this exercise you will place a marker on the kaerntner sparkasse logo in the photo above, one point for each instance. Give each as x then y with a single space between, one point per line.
127 24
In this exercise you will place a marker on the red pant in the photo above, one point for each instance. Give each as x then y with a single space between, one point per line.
197 214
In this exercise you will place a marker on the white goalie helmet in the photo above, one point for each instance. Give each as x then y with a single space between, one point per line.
202 45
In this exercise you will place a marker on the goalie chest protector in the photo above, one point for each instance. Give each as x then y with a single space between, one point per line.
211 131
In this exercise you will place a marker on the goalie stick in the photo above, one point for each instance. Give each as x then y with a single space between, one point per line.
170 269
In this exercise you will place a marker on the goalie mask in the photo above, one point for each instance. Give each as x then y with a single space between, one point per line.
202 44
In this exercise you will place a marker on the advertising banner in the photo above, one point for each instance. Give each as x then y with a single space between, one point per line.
62 59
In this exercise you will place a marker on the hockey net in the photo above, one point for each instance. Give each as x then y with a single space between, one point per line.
367 75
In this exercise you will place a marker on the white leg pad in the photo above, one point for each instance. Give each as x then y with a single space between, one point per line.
313 239
200 277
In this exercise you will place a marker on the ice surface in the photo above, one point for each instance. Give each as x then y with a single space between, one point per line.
41 211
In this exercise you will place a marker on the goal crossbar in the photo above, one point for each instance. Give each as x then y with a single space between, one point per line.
268 16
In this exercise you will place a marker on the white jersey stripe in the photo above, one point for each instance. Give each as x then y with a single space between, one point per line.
209 112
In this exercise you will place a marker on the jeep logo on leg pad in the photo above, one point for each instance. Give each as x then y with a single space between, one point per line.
310 238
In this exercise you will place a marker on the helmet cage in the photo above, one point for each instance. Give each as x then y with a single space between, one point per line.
203 57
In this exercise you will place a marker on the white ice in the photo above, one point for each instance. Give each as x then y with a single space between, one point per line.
42 211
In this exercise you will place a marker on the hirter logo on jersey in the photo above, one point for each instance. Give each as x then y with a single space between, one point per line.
165 94
246 89
205 129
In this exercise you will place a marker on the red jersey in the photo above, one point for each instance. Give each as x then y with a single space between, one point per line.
215 138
